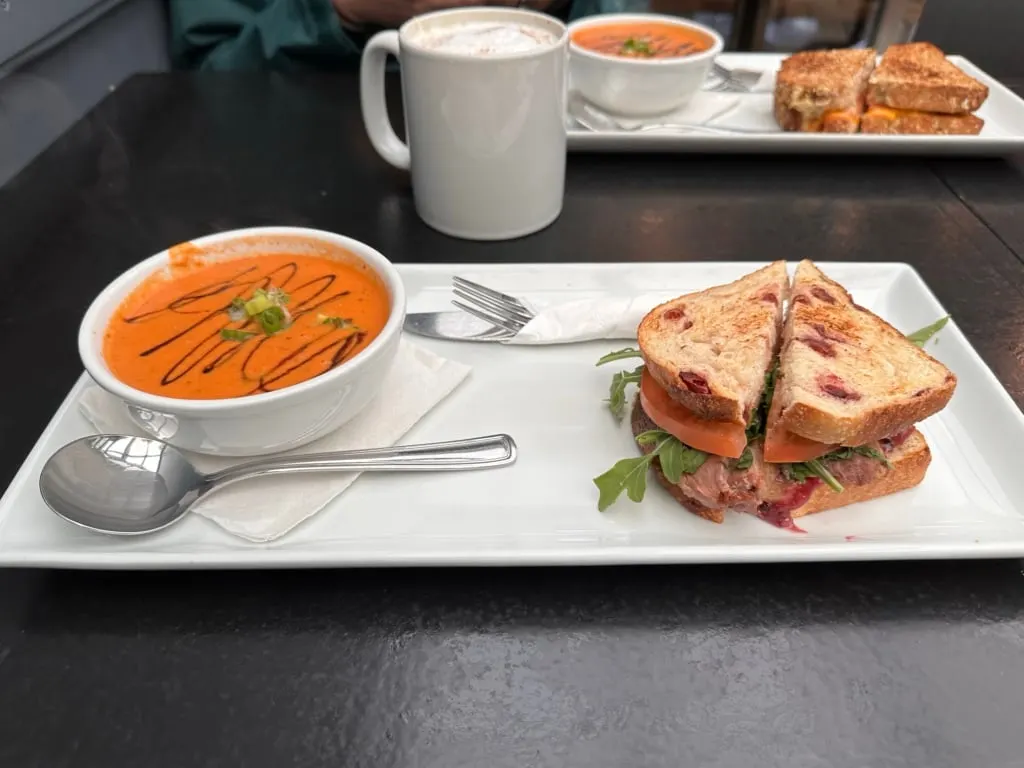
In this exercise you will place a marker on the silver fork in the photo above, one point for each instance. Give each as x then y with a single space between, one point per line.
507 313
733 80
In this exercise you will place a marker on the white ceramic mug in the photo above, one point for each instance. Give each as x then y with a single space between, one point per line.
486 132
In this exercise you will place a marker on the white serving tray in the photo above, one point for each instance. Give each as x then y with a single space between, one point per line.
1003 133
543 509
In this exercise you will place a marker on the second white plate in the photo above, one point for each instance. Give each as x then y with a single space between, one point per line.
1003 133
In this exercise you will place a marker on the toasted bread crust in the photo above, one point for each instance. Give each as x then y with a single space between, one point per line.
822 91
907 122
721 335
918 76
909 464
884 400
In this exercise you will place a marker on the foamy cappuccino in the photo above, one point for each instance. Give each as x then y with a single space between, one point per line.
484 38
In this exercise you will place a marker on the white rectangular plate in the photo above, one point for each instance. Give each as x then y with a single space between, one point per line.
1003 133
543 509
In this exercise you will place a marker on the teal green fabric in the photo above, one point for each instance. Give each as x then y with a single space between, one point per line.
285 35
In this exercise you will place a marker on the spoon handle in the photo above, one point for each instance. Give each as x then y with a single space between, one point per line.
474 453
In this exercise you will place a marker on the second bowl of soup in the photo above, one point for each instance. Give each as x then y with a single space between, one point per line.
640 65
247 342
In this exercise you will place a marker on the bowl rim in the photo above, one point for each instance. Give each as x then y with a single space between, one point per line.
717 42
94 321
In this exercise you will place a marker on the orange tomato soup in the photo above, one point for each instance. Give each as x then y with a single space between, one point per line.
166 337
642 40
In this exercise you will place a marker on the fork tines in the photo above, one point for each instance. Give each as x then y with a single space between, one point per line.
499 309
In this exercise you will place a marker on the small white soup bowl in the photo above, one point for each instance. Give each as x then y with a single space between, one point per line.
267 422
637 87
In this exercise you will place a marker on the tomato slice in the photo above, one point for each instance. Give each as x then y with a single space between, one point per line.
783 447
721 438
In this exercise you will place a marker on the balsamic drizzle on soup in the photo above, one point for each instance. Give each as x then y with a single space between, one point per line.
166 338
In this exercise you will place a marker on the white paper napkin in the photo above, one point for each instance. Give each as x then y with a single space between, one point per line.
266 508
607 317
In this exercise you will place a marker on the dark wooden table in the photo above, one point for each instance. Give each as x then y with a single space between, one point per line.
915 664
993 190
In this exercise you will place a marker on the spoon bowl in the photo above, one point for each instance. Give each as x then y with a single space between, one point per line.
127 485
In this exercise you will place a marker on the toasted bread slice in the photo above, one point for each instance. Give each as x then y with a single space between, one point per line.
909 464
709 350
918 76
906 121
822 91
845 375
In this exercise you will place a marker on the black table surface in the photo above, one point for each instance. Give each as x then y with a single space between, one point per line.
992 189
913 664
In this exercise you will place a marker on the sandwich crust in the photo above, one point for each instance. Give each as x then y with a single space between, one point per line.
903 122
709 350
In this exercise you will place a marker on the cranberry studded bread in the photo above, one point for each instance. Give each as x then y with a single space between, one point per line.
846 376
822 91
709 350
918 76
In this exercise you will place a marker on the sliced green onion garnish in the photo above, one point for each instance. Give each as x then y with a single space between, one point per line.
259 302
272 319
233 334
337 322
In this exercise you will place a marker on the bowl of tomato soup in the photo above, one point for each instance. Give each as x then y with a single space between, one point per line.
640 64
247 342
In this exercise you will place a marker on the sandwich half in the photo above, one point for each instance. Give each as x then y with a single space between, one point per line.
823 91
915 89
846 377
733 413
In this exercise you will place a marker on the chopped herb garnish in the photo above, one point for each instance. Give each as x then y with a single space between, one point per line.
237 311
639 47
921 336
266 308
272 319
233 334
630 475
337 322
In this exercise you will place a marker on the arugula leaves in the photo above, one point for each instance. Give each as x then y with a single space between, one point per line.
817 468
617 392
921 336
620 354
745 460
630 475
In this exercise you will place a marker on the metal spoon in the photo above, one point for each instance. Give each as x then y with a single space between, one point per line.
130 485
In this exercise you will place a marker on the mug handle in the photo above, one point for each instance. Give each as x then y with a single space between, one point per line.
371 93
